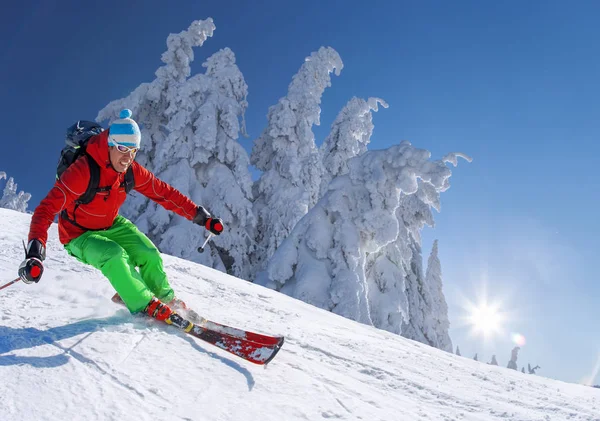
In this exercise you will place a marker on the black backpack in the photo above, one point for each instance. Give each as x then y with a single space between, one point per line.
76 142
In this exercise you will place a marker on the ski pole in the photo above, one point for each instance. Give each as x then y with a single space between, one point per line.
18 279
201 248
10 283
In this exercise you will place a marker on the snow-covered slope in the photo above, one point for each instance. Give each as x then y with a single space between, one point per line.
68 353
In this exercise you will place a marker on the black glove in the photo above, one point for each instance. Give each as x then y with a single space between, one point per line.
214 225
32 267
202 216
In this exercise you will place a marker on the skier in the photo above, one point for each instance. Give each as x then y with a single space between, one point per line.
95 234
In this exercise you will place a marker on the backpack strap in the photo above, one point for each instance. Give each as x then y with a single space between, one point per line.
129 181
93 184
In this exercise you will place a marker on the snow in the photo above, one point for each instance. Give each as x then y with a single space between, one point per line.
68 353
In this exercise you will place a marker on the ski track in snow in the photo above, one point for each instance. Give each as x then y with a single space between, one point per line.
68 353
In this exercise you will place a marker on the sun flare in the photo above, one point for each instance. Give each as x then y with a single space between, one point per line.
486 319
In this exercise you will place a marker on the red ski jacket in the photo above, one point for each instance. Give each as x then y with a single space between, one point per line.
101 212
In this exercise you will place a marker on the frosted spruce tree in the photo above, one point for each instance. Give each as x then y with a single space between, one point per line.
323 261
11 198
413 213
427 319
349 136
287 155
190 126
494 361
437 323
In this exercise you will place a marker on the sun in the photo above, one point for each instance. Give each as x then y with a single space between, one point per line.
486 319
487 316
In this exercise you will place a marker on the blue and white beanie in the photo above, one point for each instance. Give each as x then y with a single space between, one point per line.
124 131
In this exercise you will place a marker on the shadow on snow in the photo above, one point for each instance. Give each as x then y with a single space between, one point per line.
12 339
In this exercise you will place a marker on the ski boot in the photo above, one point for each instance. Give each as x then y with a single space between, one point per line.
158 310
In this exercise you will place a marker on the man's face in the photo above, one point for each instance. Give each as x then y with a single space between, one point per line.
121 157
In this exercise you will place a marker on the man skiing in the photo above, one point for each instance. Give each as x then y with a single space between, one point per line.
95 234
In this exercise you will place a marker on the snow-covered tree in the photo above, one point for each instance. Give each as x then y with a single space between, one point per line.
437 323
349 136
11 198
207 134
323 261
427 318
532 369
512 364
458 351
476 358
413 214
287 155
190 126
493 362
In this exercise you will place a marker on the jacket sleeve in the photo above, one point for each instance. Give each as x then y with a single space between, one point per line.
72 184
165 195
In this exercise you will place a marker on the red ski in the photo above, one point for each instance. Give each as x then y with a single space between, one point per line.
254 347
231 331
257 353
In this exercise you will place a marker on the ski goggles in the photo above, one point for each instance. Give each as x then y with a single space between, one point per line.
126 149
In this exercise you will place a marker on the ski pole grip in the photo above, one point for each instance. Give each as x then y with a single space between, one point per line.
201 248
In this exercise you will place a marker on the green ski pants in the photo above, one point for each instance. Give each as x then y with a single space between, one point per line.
116 252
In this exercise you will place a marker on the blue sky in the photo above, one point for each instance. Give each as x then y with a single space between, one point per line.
513 84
